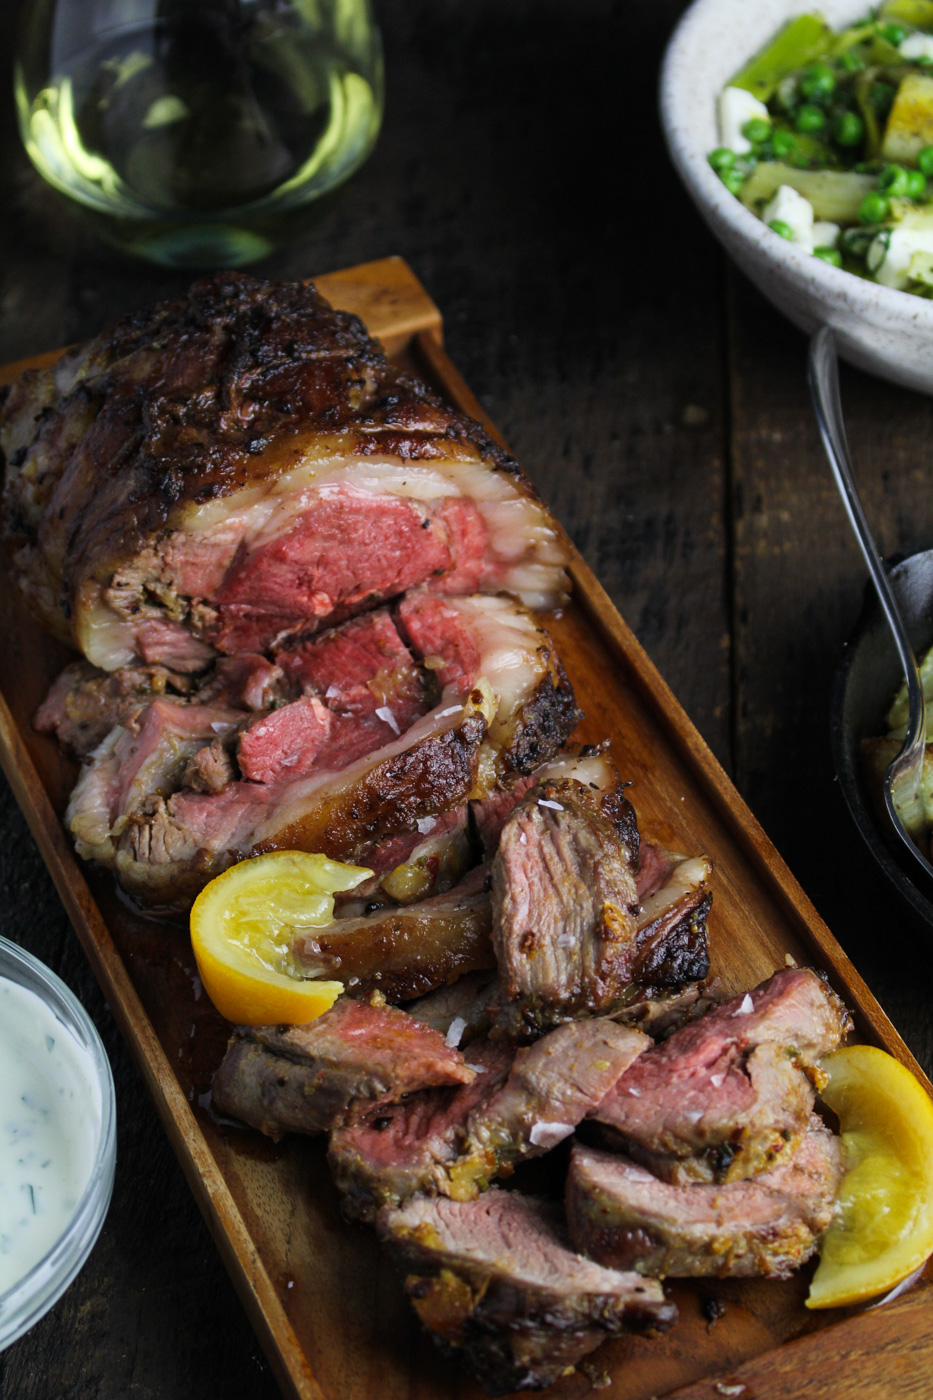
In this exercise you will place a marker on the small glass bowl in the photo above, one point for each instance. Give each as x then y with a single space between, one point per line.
38 1290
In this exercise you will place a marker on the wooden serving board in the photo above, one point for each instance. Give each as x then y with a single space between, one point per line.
322 1297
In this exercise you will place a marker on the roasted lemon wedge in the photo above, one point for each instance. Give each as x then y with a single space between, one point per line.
883 1228
242 925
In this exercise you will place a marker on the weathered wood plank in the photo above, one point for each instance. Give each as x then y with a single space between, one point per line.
799 581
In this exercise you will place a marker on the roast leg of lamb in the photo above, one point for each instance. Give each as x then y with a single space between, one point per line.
495 1283
624 1217
243 464
730 1094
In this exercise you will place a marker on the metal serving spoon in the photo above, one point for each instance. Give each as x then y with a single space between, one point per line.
902 794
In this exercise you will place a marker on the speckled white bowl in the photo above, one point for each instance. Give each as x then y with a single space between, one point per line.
885 331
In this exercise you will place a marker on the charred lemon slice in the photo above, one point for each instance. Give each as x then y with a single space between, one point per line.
883 1228
242 929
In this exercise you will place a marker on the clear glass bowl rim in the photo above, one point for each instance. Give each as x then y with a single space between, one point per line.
22 1305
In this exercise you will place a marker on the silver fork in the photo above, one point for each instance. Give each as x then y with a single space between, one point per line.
902 792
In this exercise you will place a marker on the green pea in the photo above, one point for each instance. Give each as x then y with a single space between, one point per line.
782 229
721 159
873 208
851 62
732 179
894 33
925 160
848 129
881 95
809 118
783 142
894 181
916 184
756 130
828 255
818 81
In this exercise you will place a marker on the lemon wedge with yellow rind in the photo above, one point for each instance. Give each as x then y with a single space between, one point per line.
883 1227
242 928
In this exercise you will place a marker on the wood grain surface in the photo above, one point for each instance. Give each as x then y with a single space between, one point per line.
660 406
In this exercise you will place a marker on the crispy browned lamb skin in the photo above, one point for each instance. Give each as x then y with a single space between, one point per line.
180 482
496 1285
730 1094
405 952
307 1079
621 1215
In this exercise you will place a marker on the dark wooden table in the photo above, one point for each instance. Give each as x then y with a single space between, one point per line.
659 404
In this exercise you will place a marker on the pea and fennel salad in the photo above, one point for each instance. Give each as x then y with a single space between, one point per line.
828 137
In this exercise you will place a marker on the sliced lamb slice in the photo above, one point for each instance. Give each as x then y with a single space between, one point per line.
307 1079
242 464
405 952
624 1217
414 1146
459 1010
284 743
496 1285
522 1105
552 1086
84 703
360 668
148 754
564 910
729 1095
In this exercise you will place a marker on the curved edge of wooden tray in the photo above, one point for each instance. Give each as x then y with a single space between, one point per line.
876 1343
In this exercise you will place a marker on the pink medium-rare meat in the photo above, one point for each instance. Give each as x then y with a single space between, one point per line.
166 850
359 668
366 787
498 1287
243 464
625 1218
306 1079
414 1146
285 743
730 1094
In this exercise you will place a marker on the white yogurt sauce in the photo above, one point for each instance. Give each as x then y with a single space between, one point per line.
50 1113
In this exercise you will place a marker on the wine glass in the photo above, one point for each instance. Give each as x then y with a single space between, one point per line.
193 128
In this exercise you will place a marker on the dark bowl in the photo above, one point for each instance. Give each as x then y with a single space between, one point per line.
866 682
